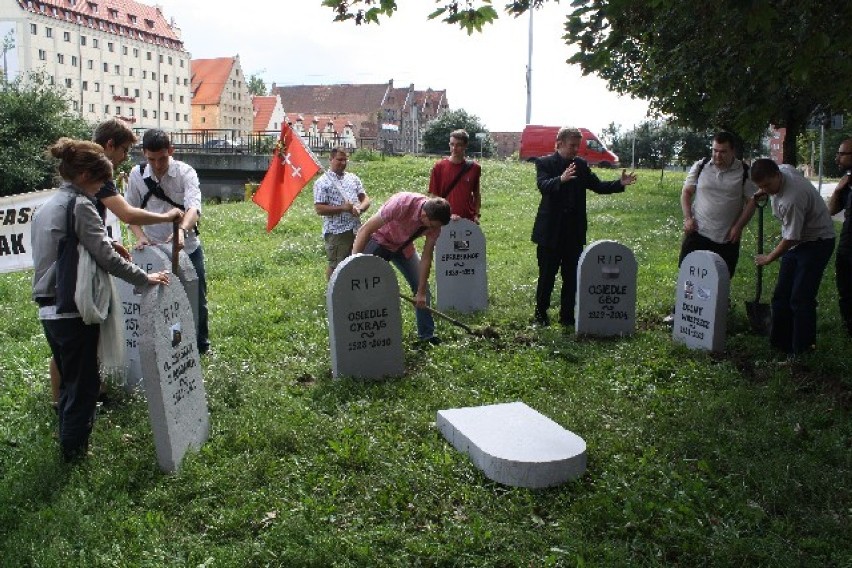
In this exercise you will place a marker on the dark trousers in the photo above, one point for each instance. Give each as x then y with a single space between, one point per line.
551 261
794 301
197 259
730 252
843 278
75 349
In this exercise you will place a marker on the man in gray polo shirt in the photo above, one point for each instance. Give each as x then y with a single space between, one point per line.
339 198
713 202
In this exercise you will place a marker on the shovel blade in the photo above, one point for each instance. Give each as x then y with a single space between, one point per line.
759 316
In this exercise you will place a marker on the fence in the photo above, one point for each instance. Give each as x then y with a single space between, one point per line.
234 142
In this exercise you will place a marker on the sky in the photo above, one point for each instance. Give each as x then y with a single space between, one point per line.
295 42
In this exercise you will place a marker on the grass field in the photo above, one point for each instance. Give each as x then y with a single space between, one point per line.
736 459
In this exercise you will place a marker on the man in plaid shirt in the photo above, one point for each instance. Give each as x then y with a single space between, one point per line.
339 197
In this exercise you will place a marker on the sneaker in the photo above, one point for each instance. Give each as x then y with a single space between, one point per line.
669 319
434 340
541 320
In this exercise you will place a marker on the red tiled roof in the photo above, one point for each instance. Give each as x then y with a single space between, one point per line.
121 17
263 108
209 77
319 99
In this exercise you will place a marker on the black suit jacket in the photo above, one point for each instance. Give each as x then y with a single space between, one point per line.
561 217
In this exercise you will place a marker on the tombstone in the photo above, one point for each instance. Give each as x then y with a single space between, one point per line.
701 301
515 445
606 290
364 320
187 276
460 270
171 367
150 259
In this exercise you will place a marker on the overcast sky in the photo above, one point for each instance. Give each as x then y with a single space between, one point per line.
295 42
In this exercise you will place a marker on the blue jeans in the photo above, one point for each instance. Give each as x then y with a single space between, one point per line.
197 259
794 300
410 270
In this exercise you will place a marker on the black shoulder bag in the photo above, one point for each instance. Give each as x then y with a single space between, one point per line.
67 259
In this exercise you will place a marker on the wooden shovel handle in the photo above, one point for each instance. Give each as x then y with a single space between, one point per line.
439 314
175 248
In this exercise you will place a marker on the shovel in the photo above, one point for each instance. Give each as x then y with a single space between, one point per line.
488 332
759 314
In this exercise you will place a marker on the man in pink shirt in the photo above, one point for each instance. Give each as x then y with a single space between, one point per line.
390 235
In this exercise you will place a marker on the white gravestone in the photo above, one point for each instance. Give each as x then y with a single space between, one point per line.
606 290
149 259
364 320
187 276
515 445
701 301
171 366
460 268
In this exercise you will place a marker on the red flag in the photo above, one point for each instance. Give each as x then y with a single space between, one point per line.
291 168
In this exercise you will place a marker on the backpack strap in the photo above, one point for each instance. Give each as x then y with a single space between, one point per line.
467 165
155 190
705 161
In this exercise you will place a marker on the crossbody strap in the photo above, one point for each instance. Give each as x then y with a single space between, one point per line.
467 165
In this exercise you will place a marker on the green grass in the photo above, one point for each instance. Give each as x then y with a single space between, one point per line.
694 459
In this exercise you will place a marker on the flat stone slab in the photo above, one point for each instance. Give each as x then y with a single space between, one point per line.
515 445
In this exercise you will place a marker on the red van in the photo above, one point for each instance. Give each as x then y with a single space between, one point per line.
537 141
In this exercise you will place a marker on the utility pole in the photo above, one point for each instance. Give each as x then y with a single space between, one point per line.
529 68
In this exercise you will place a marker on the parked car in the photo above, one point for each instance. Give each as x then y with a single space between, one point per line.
222 145
537 141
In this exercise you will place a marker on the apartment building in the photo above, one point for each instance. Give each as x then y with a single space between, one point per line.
220 96
116 58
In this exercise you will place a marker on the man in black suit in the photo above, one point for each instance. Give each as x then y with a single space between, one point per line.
560 224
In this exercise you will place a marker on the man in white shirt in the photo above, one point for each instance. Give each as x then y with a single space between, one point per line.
713 202
159 185
339 198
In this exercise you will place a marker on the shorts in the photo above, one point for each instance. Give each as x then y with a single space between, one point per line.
338 247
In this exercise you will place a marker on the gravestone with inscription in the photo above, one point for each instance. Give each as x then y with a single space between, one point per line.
149 259
515 445
187 276
606 290
364 320
171 367
701 301
460 268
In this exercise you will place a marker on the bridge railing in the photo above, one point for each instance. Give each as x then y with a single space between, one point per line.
262 142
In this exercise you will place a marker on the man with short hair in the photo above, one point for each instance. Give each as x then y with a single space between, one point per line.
159 185
390 234
807 241
457 180
841 200
339 197
560 224
713 201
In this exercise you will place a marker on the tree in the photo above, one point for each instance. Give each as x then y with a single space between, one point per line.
437 133
256 85
33 115
731 65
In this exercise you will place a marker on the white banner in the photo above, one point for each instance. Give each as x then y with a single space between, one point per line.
16 216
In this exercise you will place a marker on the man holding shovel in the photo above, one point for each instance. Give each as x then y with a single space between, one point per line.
389 234
841 200
807 241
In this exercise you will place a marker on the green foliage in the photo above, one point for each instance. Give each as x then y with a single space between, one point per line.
658 143
735 459
809 142
33 115
256 85
436 137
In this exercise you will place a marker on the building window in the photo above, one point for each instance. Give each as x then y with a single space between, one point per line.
132 111
148 55
165 78
82 40
181 63
66 36
181 98
171 98
110 46
60 58
112 89
203 119
73 61
124 50
48 32
85 85
144 74
76 105
166 115
92 107
126 92
153 76
97 87
161 58
170 60
106 67
184 82
130 71
144 113
162 97
95 42
136 93
154 113
118 69
135 52
33 29
42 55
68 83
149 95
90 64
118 110
106 109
